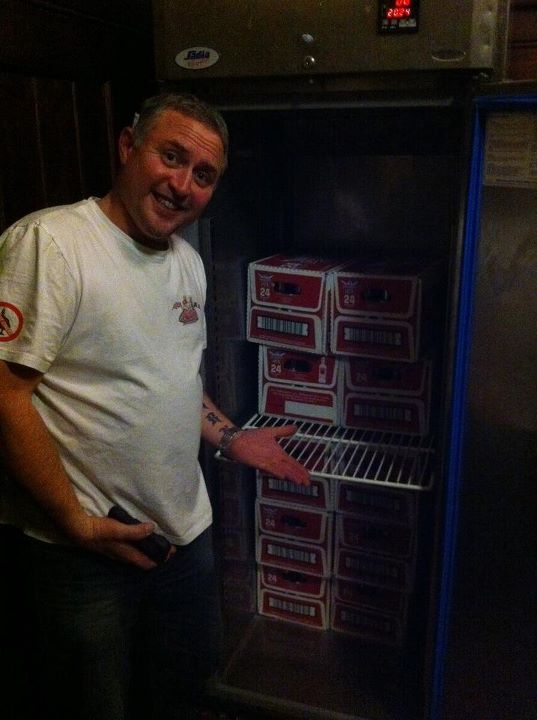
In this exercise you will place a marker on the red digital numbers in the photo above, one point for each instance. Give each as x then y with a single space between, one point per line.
399 15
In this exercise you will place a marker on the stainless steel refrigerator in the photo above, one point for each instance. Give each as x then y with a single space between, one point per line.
381 129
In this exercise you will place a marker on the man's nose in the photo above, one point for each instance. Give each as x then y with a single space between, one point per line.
181 180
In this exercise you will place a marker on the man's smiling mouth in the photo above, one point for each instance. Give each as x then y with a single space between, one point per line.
168 203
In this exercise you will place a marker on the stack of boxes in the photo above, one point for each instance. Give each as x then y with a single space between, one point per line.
374 561
341 344
294 550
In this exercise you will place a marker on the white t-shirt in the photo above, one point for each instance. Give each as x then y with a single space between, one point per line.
118 331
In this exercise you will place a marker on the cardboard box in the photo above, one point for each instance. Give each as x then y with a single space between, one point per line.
290 367
315 495
366 623
386 396
295 609
385 377
289 302
371 596
291 582
294 522
385 572
376 503
395 289
377 338
292 555
302 403
386 310
374 536
385 413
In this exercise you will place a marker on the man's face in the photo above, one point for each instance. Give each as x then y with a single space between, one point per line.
166 182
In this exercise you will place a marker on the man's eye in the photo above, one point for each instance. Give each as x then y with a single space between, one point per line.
204 177
170 158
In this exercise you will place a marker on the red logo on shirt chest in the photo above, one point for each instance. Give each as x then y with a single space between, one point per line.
189 310
11 321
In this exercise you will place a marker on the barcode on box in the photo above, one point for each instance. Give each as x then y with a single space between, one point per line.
289 487
377 412
288 327
372 337
291 554
292 607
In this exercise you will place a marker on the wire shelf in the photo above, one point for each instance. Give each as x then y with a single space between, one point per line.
378 458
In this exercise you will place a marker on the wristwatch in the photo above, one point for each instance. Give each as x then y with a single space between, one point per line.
228 435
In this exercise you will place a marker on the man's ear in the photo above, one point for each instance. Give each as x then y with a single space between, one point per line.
125 144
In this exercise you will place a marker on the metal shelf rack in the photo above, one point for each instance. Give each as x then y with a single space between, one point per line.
377 458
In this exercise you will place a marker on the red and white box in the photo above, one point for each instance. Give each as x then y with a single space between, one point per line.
385 377
371 596
315 495
376 338
291 582
289 301
292 555
298 609
299 402
374 536
294 522
386 396
393 289
385 413
297 385
366 623
386 572
290 367
376 503
384 310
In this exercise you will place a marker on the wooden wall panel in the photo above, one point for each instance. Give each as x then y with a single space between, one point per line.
20 165
72 72
56 143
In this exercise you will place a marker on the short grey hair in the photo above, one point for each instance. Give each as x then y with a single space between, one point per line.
188 105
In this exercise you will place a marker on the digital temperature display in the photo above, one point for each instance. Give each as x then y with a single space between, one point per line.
398 16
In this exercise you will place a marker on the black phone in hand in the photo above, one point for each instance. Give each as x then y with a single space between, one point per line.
155 546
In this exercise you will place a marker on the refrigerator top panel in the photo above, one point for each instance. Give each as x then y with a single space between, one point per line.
283 38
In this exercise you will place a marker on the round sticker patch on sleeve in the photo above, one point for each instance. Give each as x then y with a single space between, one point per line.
11 321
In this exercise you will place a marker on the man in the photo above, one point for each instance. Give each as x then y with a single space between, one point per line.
101 336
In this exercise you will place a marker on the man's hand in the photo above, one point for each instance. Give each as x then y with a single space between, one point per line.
113 539
259 448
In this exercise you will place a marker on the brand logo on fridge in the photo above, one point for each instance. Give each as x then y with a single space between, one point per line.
197 58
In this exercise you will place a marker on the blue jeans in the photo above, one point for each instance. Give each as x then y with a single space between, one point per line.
116 642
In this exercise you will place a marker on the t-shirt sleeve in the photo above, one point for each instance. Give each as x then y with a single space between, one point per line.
38 297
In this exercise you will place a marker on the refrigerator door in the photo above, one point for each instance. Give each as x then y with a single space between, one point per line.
485 649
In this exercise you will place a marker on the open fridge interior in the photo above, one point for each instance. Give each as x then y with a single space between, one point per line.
365 180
